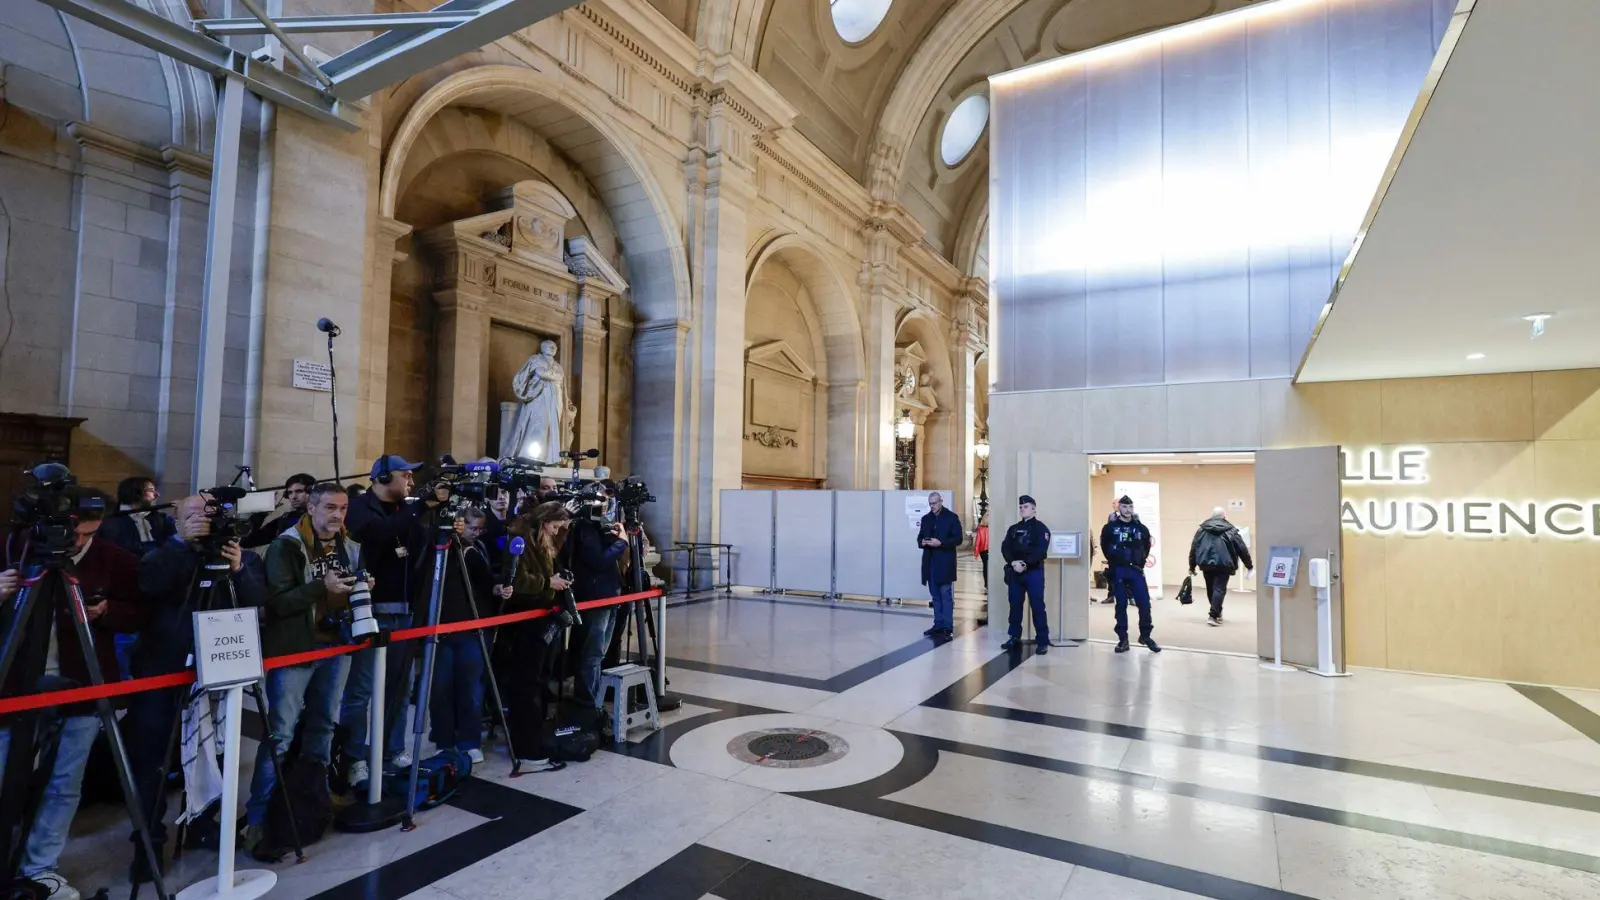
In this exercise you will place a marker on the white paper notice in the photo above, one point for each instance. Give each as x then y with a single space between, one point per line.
313 376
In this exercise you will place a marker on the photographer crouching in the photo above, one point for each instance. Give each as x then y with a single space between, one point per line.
594 550
165 642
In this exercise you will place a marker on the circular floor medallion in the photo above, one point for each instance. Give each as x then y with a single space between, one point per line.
788 748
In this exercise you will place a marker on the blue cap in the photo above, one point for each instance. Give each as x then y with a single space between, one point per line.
393 463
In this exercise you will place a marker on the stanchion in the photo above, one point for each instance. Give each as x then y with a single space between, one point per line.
378 812
229 884
1277 635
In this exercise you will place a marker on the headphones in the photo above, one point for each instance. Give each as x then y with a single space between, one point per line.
385 474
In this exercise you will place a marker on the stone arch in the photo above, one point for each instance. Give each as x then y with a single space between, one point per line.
972 236
939 436
838 327
733 27
917 88
648 233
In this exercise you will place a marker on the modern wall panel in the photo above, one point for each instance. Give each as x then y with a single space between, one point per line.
1175 208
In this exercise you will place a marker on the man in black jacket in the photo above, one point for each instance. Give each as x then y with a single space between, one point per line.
1126 543
394 541
267 526
166 576
1217 550
1024 549
595 550
136 527
939 535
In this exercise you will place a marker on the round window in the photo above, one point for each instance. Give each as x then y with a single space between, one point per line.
856 20
962 131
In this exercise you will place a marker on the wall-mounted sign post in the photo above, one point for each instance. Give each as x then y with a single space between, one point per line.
1283 564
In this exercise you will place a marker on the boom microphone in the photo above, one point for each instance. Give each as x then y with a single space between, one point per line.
326 326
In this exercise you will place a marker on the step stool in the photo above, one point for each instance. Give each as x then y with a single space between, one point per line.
621 680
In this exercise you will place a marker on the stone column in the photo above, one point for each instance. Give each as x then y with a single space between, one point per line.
661 423
188 202
374 385
616 447
886 296
589 368
461 378
964 363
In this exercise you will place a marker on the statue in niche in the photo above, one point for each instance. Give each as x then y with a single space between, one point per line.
543 426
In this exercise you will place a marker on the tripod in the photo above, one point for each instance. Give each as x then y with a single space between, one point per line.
211 588
447 549
644 617
48 583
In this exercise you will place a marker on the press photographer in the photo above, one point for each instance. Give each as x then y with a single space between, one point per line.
291 506
139 527
389 524
312 572
456 712
166 579
108 576
594 550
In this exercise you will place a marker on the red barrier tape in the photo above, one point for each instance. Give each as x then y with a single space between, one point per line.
179 679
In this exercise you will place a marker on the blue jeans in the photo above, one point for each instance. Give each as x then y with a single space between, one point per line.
61 794
1030 583
596 640
944 605
1127 583
353 713
312 691
457 707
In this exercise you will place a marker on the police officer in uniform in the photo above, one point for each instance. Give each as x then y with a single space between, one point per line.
1125 541
1024 550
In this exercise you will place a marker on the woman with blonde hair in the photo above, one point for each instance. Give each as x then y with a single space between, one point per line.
523 650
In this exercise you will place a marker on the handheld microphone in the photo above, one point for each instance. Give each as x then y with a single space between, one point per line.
514 550
326 325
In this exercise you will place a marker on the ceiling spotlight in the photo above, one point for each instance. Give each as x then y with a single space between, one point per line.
1474 356
1538 320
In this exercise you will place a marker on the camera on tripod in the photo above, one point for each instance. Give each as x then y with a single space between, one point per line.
228 510
632 494
49 505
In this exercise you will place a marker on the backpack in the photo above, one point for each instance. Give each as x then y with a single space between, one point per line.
570 743
438 778
1186 593
305 783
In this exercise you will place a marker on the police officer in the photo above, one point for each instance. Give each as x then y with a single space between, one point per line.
1125 541
1024 550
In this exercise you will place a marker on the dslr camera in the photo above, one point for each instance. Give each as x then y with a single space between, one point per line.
567 614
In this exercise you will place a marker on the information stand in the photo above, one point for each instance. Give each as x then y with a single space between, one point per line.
227 647
1066 549
1283 564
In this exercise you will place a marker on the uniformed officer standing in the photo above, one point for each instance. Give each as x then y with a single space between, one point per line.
1125 541
1024 550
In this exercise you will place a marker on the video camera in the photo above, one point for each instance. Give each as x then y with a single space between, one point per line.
469 483
632 494
49 506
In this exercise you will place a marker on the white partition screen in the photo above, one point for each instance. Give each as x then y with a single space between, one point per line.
858 543
902 558
746 523
805 540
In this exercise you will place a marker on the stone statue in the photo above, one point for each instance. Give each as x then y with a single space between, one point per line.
543 424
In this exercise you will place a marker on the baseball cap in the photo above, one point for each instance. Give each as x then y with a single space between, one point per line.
393 463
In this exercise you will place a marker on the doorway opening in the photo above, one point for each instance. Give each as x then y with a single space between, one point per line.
1173 494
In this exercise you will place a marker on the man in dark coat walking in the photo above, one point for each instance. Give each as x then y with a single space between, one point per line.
1217 550
939 536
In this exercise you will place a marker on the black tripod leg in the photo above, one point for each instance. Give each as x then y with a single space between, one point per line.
483 647
271 746
425 696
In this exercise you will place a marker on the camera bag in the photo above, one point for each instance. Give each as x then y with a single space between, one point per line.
438 778
305 782
570 743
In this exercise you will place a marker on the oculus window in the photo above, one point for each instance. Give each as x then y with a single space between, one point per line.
856 20
964 128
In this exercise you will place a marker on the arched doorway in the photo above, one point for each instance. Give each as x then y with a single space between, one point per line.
924 395
803 382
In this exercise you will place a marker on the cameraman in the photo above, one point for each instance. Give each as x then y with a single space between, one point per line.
395 535
595 550
308 586
456 712
296 494
166 576
108 576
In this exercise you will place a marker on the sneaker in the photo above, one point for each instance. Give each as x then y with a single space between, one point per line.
56 886
931 631
1151 644
359 773
476 756
1011 644
1108 601
250 838
1214 621
402 761
1122 646
532 766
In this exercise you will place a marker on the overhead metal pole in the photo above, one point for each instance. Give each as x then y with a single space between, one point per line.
219 269
288 45
332 24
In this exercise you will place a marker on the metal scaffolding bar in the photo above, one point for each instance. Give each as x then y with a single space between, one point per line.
331 24
168 37
393 57
219 269
288 45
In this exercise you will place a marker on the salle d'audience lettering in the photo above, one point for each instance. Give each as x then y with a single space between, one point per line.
137 561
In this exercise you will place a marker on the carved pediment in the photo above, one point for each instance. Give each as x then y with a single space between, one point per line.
592 270
778 356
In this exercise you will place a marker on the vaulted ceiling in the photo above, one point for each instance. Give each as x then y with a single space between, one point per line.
842 90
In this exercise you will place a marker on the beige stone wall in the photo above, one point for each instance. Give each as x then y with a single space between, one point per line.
1508 608
779 310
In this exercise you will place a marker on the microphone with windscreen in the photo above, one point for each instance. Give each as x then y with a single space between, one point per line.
326 326
514 549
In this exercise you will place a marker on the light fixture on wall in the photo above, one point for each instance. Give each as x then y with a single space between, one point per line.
904 428
1475 356
981 448
905 454
1538 320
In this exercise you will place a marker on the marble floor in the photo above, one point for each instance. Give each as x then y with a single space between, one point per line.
830 751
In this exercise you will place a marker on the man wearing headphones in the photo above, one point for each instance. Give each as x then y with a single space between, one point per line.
388 524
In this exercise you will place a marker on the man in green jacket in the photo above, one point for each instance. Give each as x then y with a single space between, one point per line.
309 577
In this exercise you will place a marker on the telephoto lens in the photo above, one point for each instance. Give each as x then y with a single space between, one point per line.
361 622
